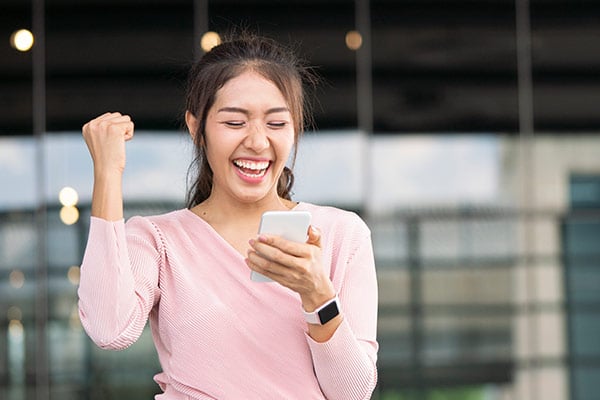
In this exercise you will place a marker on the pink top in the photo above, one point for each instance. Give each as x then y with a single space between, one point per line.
218 334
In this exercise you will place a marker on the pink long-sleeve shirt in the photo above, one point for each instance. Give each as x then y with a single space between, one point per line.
218 334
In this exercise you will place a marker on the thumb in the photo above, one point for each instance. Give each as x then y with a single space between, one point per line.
314 236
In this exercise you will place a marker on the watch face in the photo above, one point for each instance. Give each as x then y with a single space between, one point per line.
328 312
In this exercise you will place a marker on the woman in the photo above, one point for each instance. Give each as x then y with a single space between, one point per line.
218 334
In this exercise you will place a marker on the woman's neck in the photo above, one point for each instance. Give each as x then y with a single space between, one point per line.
217 210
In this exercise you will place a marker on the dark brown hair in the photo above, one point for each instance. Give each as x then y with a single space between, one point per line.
227 61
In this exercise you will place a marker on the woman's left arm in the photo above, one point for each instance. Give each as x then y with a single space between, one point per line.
345 364
344 350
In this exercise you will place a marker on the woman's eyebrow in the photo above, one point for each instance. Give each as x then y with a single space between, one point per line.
233 109
246 112
277 110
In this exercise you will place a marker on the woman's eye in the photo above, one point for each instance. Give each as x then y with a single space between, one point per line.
277 124
234 124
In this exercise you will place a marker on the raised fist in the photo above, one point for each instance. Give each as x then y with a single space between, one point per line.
105 137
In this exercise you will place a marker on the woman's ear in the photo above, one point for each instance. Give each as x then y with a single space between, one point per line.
192 124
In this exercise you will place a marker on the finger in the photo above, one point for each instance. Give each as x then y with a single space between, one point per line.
284 275
272 253
123 129
314 236
270 245
115 117
129 128
124 123
119 125
106 116
264 266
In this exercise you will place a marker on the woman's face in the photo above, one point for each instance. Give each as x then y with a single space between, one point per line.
249 136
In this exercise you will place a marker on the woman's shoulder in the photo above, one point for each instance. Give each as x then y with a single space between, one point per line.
334 217
327 211
164 221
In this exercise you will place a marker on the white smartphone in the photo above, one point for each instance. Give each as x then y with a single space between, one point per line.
290 225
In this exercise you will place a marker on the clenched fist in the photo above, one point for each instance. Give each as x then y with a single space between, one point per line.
105 137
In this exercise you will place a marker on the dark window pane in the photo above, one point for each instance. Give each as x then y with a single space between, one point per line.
585 191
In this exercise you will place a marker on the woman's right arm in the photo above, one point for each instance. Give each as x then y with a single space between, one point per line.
105 137
119 272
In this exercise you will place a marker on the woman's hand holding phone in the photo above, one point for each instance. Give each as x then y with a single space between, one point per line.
290 225
294 264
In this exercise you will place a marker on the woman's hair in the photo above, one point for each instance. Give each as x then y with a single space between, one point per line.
226 61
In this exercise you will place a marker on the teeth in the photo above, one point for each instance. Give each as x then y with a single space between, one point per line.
256 175
253 165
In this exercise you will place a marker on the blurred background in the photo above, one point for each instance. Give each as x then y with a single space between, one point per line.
465 132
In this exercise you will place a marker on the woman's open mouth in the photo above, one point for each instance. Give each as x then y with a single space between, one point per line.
252 169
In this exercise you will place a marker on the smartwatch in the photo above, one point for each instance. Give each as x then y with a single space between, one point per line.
323 314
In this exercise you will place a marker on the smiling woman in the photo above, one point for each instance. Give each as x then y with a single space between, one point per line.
280 68
308 333
247 140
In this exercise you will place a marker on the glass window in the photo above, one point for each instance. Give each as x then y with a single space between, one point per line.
581 239
585 191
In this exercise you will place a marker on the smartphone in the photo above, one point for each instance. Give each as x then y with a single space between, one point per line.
290 225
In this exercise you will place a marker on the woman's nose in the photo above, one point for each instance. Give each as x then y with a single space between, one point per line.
256 138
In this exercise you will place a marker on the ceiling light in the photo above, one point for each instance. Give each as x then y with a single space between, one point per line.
22 40
353 40
209 40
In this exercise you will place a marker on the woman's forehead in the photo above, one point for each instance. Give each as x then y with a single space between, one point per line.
250 89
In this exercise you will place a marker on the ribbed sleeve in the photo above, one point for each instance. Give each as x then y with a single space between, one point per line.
114 298
346 364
